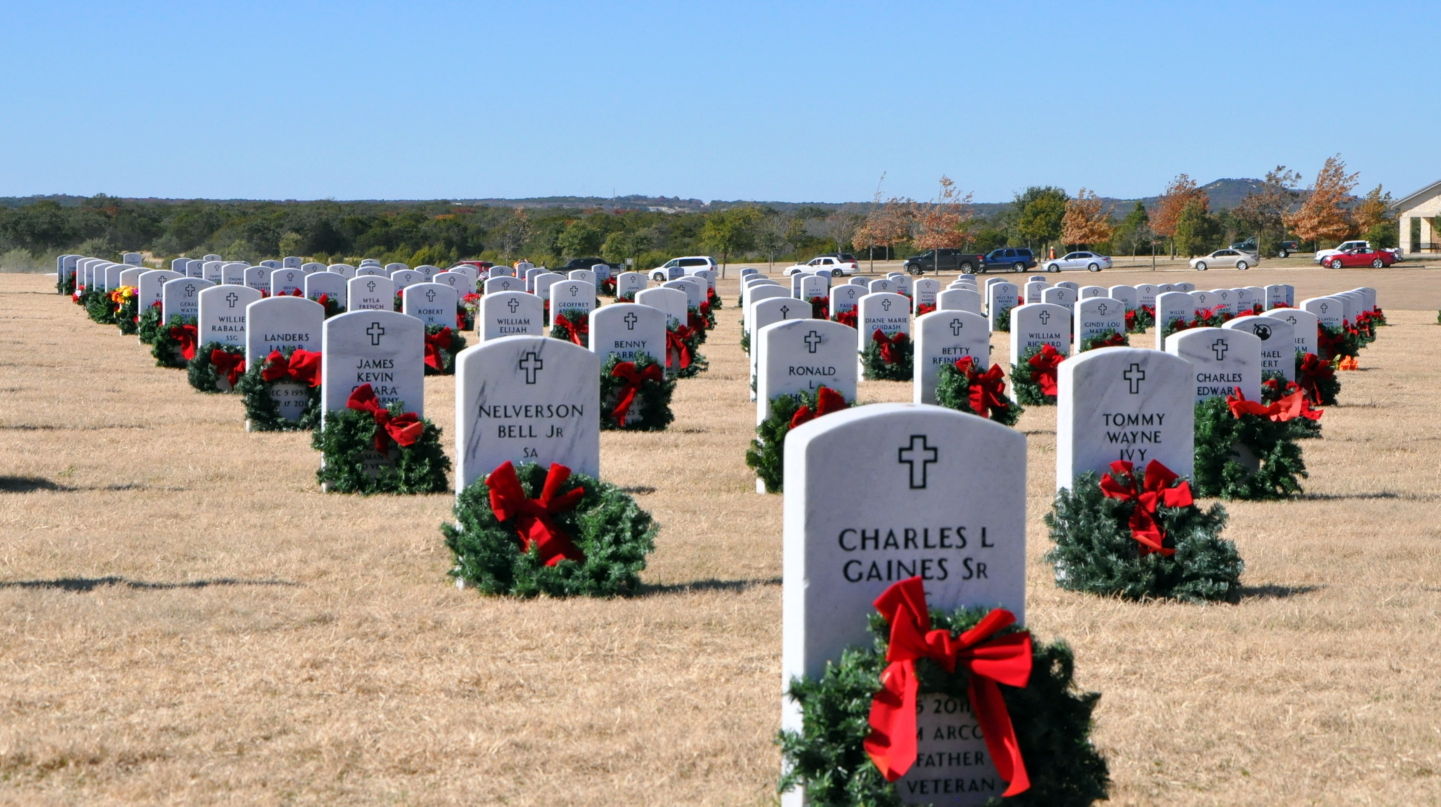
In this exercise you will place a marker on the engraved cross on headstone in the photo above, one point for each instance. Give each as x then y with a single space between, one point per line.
1102 309
430 295
956 326
918 455
1219 347
813 341
1135 374
370 286
375 331
785 311
231 298
513 305
531 364
886 305
189 290
574 290
630 319
1044 317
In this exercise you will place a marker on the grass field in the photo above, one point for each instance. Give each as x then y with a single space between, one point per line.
188 620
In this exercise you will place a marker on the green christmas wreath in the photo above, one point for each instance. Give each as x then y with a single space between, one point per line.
331 305
174 344
962 387
1003 321
1244 456
1033 378
66 284
1051 721
367 448
635 395
442 343
682 349
1140 318
745 341
296 367
530 530
1125 536
767 453
148 328
1106 339
127 308
1333 342
1317 378
576 331
888 358
1275 389
98 306
215 363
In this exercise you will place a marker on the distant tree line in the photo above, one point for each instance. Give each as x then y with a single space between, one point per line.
440 233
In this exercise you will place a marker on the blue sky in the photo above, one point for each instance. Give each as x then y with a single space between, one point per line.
807 101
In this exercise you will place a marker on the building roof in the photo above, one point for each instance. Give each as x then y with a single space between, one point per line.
1410 200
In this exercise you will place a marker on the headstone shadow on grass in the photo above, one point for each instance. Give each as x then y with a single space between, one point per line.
1275 592
733 586
88 584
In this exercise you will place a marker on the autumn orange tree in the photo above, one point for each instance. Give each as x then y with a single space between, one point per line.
1085 222
944 221
1264 210
887 224
1373 218
1324 215
1179 194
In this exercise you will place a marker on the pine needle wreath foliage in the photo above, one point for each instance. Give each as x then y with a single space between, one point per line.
649 412
612 532
1220 437
202 373
877 368
445 355
698 325
260 408
346 444
149 326
98 307
1094 552
330 304
714 300
767 453
1327 384
558 331
745 340
65 285
1024 384
1106 339
1139 319
127 314
698 362
1052 721
1274 387
1333 342
165 348
1003 321
953 391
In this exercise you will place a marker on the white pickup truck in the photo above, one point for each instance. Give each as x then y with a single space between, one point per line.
1346 246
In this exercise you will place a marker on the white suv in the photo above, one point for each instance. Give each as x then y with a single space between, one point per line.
679 267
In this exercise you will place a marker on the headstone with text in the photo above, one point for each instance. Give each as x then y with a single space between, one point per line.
1222 361
942 338
509 313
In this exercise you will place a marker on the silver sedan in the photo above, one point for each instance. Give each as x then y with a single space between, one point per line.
1079 260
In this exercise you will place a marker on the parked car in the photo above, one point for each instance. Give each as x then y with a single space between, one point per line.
581 263
1226 257
837 262
676 267
1089 261
1287 247
943 260
1323 256
479 265
1016 259
1376 259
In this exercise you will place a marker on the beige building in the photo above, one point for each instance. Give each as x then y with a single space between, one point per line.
1423 206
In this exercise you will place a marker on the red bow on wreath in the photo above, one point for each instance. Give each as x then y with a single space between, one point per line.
676 349
574 331
827 401
820 308
185 336
890 346
1149 494
1043 368
988 389
302 366
404 429
989 660
847 317
230 365
535 518
1113 340
924 309
634 378
434 343
1290 407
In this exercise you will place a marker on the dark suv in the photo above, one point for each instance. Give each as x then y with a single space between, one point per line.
1016 259
581 263
943 260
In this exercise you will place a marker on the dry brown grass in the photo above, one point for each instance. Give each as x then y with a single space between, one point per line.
188 620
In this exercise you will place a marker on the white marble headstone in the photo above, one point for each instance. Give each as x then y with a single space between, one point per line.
370 293
181 298
1097 316
509 313
332 285
1035 324
1278 343
435 304
945 337
628 331
1222 361
221 314
384 349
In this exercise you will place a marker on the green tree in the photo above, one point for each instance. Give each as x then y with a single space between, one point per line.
1134 231
580 238
1195 227
731 230
1039 215
1262 213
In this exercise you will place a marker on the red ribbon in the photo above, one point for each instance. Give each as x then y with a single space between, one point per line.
404 429
847 318
890 346
1043 368
1288 408
230 365
302 366
926 308
1149 493
989 659
185 335
534 519
574 331
988 389
820 308
677 352
1113 340
633 378
434 343
827 401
